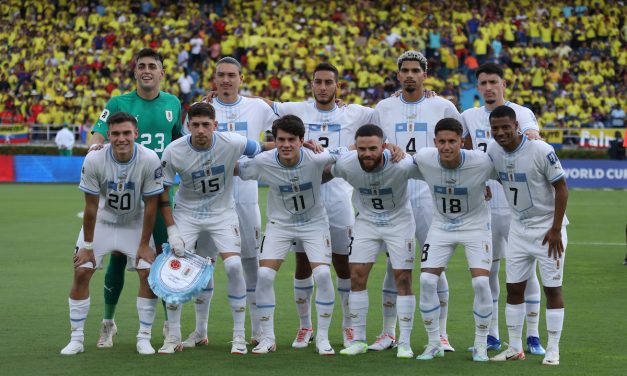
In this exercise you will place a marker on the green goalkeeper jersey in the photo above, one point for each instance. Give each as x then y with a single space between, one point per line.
158 120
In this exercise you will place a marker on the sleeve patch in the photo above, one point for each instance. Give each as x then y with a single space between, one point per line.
159 173
552 157
104 115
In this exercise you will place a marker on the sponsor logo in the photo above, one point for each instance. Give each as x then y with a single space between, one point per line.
404 318
199 301
175 264
482 327
353 315
532 314
241 309
172 307
325 315
428 322
158 173
301 301
389 304
264 318
552 157
451 181
104 115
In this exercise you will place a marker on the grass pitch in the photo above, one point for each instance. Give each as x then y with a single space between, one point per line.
39 226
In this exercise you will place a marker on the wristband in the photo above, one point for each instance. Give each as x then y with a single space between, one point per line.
172 231
88 246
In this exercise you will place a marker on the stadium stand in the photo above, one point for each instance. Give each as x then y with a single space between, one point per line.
566 60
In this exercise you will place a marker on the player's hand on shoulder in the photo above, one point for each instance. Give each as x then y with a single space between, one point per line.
95 147
554 238
313 146
83 256
533 134
208 98
145 253
397 153
430 93
340 103
488 193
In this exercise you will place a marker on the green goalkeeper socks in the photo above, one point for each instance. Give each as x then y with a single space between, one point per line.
113 284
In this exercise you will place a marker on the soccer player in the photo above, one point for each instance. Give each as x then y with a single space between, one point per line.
249 117
456 179
332 127
491 87
205 160
122 183
158 117
408 120
384 216
535 187
295 213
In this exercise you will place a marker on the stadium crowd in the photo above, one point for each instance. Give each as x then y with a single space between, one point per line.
566 60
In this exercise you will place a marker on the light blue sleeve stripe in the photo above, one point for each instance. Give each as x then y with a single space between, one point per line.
252 148
153 192
89 191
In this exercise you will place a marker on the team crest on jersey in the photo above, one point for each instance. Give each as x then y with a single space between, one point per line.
207 167
169 115
374 187
230 127
410 127
324 127
120 186
104 115
449 190
295 184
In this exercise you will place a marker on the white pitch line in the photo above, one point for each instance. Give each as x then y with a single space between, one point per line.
597 243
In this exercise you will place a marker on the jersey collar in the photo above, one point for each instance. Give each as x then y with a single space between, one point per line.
213 144
276 157
239 99
408 102
123 163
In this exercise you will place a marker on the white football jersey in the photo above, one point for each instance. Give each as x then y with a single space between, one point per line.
249 117
206 175
411 125
294 194
379 196
477 123
331 129
459 193
121 186
527 175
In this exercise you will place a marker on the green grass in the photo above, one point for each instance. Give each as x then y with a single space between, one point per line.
38 230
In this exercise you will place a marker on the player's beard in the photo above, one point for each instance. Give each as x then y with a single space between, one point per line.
376 164
490 101
324 102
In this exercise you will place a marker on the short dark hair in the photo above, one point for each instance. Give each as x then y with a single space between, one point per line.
230 60
327 67
201 109
449 124
291 124
503 111
121 117
368 130
149 52
490 68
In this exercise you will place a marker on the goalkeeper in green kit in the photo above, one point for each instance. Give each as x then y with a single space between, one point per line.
158 117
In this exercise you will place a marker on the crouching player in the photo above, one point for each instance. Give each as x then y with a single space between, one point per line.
457 180
295 213
122 183
384 216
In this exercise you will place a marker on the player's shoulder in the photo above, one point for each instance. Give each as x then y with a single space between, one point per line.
539 146
388 102
476 157
347 156
180 142
427 153
168 97
357 108
494 147
96 158
145 153
519 109
472 113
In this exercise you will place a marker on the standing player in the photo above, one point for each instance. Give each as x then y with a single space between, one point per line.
491 87
122 183
535 187
204 204
158 117
408 120
249 117
456 179
332 127
384 216
295 212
